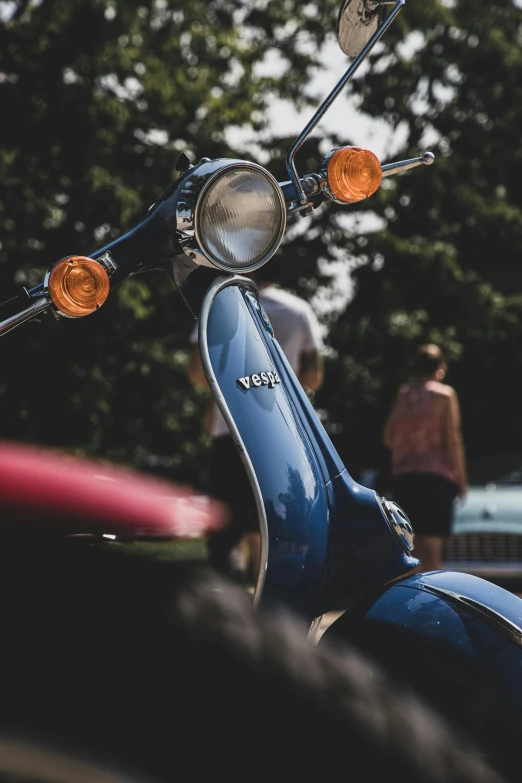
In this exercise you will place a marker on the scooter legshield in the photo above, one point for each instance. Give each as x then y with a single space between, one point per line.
457 640
453 637
287 484
304 499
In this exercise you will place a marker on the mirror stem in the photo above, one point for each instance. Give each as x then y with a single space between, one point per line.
323 108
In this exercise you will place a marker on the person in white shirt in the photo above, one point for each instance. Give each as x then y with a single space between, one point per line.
297 330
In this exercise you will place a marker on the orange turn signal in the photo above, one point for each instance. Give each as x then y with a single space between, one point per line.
78 286
353 174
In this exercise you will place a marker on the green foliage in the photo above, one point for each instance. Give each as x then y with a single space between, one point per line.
98 99
445 267
101 96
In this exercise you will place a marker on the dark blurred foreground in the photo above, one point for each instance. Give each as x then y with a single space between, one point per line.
163 670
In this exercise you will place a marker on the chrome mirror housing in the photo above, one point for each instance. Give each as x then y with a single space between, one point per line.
358 20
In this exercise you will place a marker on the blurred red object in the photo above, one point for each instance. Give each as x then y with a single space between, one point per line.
45 490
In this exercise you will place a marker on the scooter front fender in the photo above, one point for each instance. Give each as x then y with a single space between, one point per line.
456 639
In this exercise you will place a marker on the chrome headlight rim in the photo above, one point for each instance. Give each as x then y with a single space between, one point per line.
190 204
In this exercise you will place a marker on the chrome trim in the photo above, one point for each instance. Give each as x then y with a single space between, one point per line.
190 192
490 616
402 165
399 523
38 307
320 625
217 286
194 188
323 173
325 105
107 262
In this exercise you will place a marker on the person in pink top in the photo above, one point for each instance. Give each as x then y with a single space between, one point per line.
428 464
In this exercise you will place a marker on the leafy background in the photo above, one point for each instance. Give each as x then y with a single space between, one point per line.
99 97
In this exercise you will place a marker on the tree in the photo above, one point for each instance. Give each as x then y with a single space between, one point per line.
445 266
98 99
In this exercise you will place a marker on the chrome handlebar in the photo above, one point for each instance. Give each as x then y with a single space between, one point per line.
402 165
30 312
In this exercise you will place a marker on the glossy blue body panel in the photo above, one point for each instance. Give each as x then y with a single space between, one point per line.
480 590
293 491
461 650
329 460
363 554
295 462
411 605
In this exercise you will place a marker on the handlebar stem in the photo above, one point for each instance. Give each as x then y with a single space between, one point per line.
325 105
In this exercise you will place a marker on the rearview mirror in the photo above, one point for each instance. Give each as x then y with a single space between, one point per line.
358 20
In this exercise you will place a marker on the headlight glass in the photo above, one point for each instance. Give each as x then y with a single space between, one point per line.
240 218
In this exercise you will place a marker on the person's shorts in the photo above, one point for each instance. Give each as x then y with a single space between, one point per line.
428 501
228 481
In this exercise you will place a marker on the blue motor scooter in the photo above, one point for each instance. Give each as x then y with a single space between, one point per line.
331 548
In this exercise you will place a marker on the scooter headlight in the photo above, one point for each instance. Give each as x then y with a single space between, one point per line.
237 217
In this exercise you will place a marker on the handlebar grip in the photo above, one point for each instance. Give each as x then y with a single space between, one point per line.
19 309
12 306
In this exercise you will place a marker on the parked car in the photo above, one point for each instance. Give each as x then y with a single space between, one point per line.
487 531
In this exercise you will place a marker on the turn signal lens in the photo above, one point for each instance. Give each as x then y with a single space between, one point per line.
353 174
78 286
